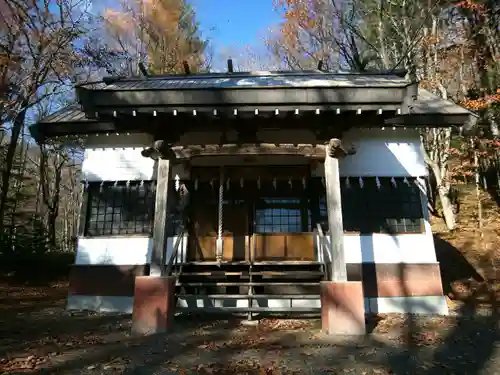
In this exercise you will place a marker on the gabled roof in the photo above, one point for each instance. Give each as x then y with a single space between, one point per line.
427 103
249 90
105 105
71 113
251 80
431 109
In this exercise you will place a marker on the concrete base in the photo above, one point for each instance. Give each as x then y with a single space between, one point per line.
250 323
342 308
154 304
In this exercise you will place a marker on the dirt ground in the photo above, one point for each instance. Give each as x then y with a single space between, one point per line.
38 336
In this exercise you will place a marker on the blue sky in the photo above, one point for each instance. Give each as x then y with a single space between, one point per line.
235 23
228 23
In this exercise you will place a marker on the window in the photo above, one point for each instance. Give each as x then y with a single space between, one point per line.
174 219
120 208
391 206
279 215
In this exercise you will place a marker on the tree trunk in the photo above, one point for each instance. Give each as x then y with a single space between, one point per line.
17 128
443 189
478 188
51 202
51 228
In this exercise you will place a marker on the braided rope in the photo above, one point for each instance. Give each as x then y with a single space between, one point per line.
221 202
219 249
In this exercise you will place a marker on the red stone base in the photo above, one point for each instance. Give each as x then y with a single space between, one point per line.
342 308
154 304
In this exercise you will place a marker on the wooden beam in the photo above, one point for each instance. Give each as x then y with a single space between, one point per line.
334 205
143 69
84 209
158 257
308 150
366 98
159 149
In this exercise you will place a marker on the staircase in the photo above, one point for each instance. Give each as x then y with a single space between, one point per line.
244 287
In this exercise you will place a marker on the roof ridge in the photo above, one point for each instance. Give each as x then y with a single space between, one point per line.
258 73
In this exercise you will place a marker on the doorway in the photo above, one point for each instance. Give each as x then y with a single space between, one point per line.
266 214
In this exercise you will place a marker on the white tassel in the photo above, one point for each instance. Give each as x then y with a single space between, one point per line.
242 182
177 182
347 182
377 181
142 183
228 184
323 181
258 182
290 181
303 182
361 183
393 182
196 184
406 181
212 183
274 183
101 186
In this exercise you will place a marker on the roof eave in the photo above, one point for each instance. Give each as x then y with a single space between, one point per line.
470 126
94 100
41 131
436 120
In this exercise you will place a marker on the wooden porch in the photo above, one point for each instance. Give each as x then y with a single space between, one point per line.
262 214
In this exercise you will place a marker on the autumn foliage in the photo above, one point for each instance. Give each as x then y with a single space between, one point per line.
483 102
163 33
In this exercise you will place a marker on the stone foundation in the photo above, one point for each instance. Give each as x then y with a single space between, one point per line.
154 304
342 308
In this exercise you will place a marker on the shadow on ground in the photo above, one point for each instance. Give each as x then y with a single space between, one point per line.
466 344
36 325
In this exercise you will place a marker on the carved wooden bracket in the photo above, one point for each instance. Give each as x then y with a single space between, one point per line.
336 149
159 150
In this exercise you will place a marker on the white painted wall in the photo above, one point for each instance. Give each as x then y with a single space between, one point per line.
392 153
113 251
122 250
117 164
385 248
410 304
118 158
381 305
379 153
387 153
103 304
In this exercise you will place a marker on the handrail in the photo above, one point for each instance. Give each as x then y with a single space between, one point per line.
324 250
175 250
183 227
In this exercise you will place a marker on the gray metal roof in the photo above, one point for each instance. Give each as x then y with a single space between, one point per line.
71 113
251 80
428 103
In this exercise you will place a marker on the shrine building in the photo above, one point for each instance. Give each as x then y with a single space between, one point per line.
255 193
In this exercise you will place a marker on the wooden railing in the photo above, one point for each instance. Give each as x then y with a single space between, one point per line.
175 249
323 247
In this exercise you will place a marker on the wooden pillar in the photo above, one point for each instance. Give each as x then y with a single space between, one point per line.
334 205
342 301
159 248
154 295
